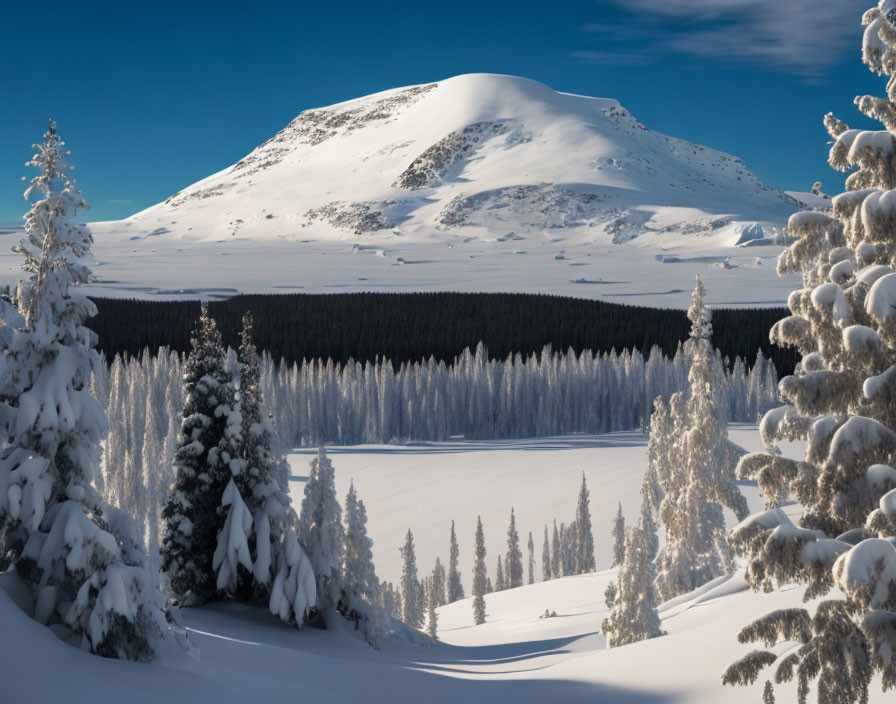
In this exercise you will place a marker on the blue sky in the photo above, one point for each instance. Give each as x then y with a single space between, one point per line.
152 96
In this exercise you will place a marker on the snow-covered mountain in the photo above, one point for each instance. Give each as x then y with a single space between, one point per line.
473 153
484 182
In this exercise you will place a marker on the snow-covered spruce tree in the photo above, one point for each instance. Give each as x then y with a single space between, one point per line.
842 403
390 600
513 564
411 593
79 557
619 537
634 615
546 557
531 546
439 583
432 604
258 558
455 586
192 519
321 533
480 577
556 552
695 483
156 476
500 583
584 540
360 586
660 453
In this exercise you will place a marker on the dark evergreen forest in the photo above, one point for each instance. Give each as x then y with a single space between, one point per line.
411 326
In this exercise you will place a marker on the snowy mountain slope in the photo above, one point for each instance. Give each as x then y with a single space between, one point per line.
516 656
479 183
498 152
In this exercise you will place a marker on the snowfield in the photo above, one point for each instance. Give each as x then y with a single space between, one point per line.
248 655
482 183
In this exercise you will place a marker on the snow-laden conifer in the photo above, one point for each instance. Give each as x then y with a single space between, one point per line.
192 519
480 577
439 583
455 586
360 586
695 480
390 600
432 614
634 615
531 546
660 451
546 572
500 583
841 402
556 552
583 540
81 558
619 537
411 593
321 533
513 564
257 507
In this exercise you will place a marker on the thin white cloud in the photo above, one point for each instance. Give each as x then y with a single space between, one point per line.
803 37
611 58
118 200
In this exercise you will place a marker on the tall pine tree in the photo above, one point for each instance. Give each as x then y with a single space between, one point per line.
480 578
79 557
513 564
455 586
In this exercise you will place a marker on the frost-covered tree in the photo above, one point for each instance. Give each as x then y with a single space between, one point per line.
80 558
390 600
439 583
156 474
411 592
321 533
360 586
432 604
695 480
192 519
513 564
634 615
619 537
584 540
319 401
480 578
556 552
546 572
500 583
531 546
258 558
841 401
660 452
455 586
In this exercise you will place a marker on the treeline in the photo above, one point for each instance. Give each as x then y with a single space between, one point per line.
408 327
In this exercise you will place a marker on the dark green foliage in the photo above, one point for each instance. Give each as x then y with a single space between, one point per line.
410 326
192 518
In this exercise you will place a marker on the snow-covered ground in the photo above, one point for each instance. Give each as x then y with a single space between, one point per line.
476 183
424 486
516 656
